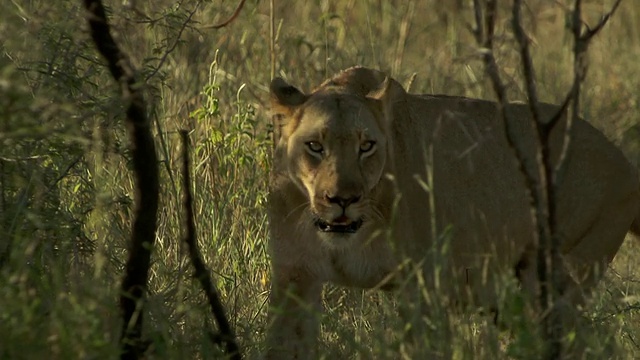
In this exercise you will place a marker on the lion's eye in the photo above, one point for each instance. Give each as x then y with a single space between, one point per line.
314 146
367 146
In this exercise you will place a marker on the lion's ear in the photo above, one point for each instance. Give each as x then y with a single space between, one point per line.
284 97
385 95
382 92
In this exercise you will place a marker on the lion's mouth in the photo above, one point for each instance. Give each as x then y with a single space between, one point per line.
339 227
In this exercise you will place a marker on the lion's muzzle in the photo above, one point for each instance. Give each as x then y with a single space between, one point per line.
336 227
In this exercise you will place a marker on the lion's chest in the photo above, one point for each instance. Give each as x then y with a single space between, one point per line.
364 266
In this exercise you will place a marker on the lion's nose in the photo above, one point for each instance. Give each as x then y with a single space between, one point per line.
342 201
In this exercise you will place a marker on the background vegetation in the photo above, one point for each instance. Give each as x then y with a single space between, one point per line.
66 187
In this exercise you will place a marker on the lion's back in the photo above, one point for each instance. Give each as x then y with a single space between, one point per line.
459 149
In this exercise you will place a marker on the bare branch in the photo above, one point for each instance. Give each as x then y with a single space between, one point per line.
485 25
581 45
145 166
537 179
490 22
478 30
527 63
548 255
550 270
627 309
175 43
272 38
225 337
229 20
562 109
603 21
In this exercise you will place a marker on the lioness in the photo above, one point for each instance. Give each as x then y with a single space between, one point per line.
366 176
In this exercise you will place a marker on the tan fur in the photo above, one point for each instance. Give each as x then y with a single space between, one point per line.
450 152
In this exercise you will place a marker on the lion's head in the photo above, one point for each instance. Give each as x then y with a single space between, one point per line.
333 145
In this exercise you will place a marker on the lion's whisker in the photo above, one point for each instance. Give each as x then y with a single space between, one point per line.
304 204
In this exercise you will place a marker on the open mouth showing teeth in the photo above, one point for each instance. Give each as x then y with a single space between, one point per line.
349 228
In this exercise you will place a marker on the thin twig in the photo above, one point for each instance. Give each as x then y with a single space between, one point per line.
228 21
603 21
173 46
548 254
527 63
66 171
625 310
485 39
533 178
226 336
134 284
542 182
478 30
484 35
490 22
272 38
581 45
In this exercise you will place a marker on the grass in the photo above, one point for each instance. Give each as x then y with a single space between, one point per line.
66 185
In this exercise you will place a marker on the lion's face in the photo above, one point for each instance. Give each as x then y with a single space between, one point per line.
337 155
334 149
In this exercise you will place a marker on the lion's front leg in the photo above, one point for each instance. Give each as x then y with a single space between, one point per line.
295 305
